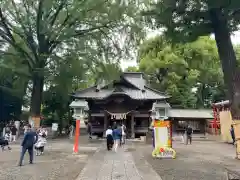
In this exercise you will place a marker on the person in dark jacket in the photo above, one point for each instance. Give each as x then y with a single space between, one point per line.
89 129
13 133
232 134
116 138
30 138
189 132
109 135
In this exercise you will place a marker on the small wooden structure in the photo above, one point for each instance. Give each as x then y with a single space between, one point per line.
128 100
222 115
197 118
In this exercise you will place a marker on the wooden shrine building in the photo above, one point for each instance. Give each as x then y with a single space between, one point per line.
128 100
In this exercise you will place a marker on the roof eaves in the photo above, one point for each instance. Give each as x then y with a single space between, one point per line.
84 90
116 93
159 92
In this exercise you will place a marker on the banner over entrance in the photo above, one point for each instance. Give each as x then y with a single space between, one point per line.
119 116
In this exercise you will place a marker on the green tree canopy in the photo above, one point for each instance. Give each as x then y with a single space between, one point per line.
186 20
190 72
42 31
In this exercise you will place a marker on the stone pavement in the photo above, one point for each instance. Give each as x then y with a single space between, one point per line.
108 165
203 160
58 162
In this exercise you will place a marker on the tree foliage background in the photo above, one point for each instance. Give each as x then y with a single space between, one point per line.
190 73
57 46
43 32
50 48
187 20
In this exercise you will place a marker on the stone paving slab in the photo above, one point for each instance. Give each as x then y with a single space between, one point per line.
203 160
109 165
57 163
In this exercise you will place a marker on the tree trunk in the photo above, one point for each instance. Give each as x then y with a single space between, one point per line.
227 55
36 98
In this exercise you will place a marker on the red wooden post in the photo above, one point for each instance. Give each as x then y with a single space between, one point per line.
77 133
215 118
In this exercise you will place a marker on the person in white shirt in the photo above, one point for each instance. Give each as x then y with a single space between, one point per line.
109 135
123 128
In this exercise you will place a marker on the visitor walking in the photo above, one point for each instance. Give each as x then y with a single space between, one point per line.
109 136
189 132
42 141
120 130
13 133
30 138
8 132
232 134
89 128
43 133
123 129
71 130
25 128
7 136
116 138
3 143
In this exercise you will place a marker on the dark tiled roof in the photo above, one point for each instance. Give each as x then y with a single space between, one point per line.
135 79
140 92
145 94
92 93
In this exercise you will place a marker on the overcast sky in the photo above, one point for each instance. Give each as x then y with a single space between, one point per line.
125 64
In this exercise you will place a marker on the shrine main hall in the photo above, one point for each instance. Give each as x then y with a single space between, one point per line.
128 100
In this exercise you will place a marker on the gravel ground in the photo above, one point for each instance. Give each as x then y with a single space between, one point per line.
58 162
199 161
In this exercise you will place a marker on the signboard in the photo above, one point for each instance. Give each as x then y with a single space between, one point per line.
54 126
163 140
162 134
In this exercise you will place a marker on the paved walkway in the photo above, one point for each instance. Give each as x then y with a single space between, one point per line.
58 162
106 165
203 160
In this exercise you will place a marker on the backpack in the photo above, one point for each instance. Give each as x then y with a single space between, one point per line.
189 131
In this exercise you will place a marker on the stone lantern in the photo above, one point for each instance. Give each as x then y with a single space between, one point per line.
79 109
160 110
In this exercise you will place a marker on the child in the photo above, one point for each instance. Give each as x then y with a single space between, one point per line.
7 136
3 143
39 146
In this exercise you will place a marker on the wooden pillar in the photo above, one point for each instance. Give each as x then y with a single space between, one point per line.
132 126
105 124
